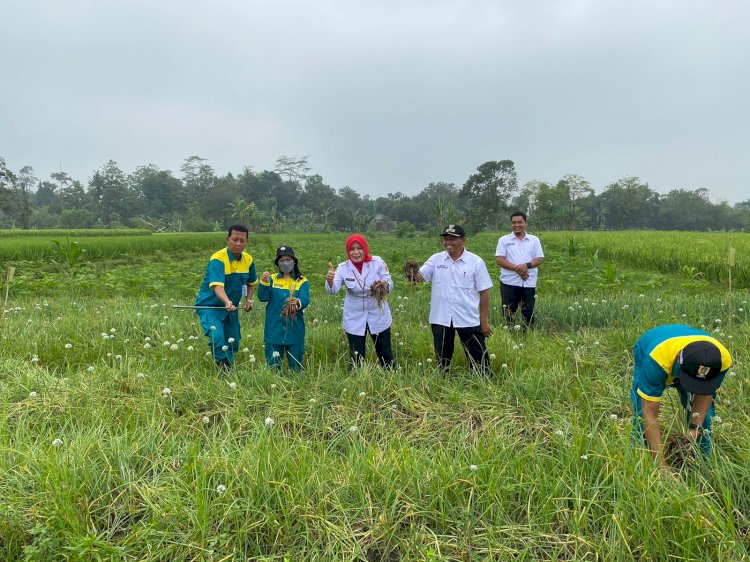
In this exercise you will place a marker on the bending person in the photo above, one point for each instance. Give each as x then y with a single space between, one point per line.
684 358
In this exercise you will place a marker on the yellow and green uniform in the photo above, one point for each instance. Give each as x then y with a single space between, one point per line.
220 325
656 368
284 335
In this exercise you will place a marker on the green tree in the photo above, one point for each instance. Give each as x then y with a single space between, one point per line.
47 196
198 179
76 218
113 202
630 203
294 168
682 209
7 193
577 189
74 197
319 197
549 204
440 202
487 193
160 193
26 182
246 212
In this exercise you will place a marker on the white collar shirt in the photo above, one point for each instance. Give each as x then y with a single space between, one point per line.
361 310
519 251
456 285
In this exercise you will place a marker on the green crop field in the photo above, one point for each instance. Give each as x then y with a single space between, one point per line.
120 441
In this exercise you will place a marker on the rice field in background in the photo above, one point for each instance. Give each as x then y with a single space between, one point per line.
73 233
121 442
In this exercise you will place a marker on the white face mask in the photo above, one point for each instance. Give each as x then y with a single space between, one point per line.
286 266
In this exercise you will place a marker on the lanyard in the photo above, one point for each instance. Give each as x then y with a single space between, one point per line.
362 283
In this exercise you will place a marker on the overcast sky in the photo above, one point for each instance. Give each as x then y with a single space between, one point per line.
385 95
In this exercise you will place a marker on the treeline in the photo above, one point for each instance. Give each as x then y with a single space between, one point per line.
290 198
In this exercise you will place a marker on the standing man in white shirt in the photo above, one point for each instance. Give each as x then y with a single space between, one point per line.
519 254
460 300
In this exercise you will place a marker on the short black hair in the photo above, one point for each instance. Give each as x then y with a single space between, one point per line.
237 228
518 214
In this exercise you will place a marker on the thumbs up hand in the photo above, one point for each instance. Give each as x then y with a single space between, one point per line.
331 274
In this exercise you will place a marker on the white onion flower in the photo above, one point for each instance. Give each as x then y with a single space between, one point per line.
167 391
269 422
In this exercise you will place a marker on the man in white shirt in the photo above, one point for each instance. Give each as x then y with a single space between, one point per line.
460 300
518 254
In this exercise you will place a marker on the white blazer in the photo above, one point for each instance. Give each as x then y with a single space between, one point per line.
360 308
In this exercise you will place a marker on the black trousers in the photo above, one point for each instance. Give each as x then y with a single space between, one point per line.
515 297
472 340
382 341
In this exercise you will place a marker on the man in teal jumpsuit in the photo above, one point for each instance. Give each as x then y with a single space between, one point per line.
229 271
687 359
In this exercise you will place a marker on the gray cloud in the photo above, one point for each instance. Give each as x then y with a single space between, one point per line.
384 96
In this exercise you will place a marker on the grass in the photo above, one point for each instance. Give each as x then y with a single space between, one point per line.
535 464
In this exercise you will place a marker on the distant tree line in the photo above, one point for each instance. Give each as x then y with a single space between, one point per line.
290 198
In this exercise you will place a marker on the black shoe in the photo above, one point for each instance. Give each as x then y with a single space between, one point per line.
224 365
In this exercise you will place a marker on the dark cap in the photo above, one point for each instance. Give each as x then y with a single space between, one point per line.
700 367
284 251
454 230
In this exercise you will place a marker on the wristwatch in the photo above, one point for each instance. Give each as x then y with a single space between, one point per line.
529 265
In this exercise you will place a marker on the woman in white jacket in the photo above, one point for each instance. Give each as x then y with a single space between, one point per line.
362 312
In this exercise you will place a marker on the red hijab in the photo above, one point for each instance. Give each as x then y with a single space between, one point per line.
365 249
